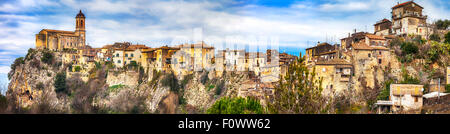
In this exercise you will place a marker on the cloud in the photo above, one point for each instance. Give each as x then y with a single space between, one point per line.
4 69
157 22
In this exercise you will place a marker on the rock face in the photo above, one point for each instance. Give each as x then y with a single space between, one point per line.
111 91
129 78
32 81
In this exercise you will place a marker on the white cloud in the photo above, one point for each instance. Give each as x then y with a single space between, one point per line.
4 69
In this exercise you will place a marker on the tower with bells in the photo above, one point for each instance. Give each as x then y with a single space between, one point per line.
80 28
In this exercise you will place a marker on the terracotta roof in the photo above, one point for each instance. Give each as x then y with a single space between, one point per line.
58 31
376 37
329 52
334 62
362 46
107 46
382 21
405 3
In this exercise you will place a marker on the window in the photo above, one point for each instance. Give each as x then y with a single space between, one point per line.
369 55
416 99
126 55
379 61
132 55
379 52
118 61
331 86
125 62
117 55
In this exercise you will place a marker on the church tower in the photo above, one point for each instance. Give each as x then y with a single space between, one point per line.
80 28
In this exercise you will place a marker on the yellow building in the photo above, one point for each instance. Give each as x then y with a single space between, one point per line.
448 75
57 40
160 58
201 54
336 75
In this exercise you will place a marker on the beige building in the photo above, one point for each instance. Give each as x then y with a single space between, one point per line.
383 27
406 96
335 74
408 19
448 75
201 54
57 40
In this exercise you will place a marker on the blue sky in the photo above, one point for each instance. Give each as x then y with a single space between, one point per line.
296 24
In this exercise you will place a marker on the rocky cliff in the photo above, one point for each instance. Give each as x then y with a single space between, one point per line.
35 87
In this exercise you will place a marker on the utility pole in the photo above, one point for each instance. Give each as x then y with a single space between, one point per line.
439 88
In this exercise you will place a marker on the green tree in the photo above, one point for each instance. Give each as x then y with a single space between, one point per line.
385 93
171 81
60 83
299 91
442 24
447 38
47 57
409 48
238 105
435 37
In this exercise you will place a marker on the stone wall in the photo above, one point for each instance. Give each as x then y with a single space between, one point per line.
128 78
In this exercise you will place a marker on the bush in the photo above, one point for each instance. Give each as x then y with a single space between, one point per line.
47 57
447 88
409 48
17 62
385 93
447 38
40 86
220 87
171 81
60 83
435 37
77 68
3 103
236 106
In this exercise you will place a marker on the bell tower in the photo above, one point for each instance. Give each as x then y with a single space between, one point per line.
80 28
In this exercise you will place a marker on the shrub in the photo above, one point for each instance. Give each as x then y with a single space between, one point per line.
409 48
77 68
447 38
435 37
17 62
60 83
171 81
236 106
220 87
384 94
447 88
47 57
40 86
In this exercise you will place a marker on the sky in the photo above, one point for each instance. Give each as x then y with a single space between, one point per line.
295 25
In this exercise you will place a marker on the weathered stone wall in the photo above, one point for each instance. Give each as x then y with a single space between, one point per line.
128 78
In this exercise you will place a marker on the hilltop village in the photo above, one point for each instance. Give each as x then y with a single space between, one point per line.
384 71
365 63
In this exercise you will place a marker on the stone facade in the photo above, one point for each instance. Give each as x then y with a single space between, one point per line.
58 40
406 97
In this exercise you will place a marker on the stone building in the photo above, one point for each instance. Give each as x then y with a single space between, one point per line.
201 54
57 40
383 27
335 74
408 19
402 97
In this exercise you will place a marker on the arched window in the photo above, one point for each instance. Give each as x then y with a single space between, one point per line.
81 23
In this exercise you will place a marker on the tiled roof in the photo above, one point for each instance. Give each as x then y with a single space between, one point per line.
58 31
405 3
334 62
382 21
362 46
376 37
